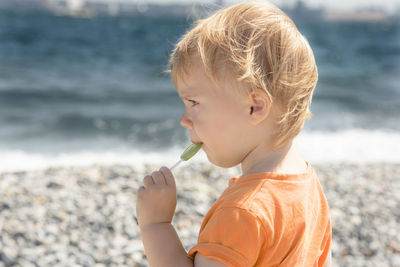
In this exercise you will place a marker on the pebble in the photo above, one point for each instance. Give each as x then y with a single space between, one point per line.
85 216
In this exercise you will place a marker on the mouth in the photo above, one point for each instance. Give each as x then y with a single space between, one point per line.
196 142
194 139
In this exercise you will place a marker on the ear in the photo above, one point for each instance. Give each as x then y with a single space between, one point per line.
259 106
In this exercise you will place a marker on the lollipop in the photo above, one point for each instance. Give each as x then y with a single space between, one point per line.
189 152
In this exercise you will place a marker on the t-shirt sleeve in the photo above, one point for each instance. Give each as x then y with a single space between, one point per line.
232 236
326 244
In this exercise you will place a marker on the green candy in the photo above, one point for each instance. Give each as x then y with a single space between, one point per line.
190 151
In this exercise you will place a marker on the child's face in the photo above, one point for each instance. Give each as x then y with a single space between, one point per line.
215 116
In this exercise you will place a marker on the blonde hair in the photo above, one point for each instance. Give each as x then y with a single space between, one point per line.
261 46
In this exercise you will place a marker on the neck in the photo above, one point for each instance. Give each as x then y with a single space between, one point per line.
283 160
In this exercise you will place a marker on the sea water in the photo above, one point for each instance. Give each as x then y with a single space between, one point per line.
76 91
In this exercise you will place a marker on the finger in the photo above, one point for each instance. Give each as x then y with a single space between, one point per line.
148 180
158 178
169 177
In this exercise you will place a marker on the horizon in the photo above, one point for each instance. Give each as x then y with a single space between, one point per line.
339 5
391 6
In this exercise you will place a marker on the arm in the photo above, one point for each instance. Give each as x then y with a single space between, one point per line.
201 261
163 246
155 207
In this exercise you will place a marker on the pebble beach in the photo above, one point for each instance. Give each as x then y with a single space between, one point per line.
85 216
85 104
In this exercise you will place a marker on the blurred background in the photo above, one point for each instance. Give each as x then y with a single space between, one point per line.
82 81
86 110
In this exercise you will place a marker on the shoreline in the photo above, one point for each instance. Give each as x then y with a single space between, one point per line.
86 215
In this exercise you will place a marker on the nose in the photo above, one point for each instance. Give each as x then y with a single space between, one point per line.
186 122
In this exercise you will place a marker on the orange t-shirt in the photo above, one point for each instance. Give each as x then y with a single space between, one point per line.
268 219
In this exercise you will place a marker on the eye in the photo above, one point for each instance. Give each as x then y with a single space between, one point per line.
194 103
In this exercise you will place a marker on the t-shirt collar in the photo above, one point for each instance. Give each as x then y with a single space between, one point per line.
273 176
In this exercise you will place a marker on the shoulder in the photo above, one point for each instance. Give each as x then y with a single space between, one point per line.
242 195
256 198
270 200
243 210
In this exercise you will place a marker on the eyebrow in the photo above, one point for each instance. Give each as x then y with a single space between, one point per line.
188 92
185 95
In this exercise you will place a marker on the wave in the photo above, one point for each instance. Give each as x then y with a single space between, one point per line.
18 160
356 146
350 146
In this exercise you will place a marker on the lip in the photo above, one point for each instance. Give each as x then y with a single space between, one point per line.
194 141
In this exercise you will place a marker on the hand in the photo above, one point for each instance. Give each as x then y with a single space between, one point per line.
156 200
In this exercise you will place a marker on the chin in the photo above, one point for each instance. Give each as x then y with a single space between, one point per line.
222 163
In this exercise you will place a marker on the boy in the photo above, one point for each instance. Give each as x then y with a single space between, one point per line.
246 76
